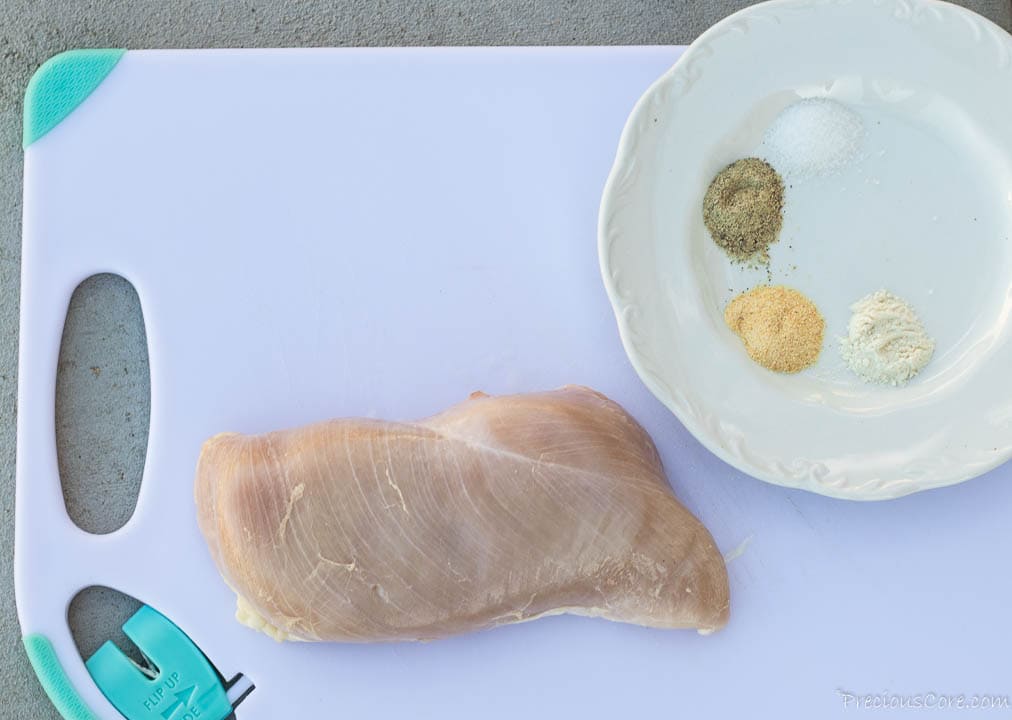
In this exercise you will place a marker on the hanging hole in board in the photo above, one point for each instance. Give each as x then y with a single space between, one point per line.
103 397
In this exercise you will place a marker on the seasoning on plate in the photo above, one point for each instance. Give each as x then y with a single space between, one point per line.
886 342
815 136
781 328
743 209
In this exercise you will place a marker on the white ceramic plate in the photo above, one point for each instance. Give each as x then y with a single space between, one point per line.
926 212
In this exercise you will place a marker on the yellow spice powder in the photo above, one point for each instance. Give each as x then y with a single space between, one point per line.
781 328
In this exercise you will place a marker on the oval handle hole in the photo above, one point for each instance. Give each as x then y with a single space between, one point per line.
103 398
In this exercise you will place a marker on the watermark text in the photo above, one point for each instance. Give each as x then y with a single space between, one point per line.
887 700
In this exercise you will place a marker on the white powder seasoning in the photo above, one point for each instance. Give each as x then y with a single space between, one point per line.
886 342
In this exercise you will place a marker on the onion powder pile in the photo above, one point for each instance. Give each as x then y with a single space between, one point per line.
886 342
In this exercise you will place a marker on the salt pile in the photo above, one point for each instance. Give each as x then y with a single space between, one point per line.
812 137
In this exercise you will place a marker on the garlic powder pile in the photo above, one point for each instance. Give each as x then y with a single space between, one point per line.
886 342
781 328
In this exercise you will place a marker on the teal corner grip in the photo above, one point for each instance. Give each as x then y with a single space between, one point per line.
54 680
62 83
184 687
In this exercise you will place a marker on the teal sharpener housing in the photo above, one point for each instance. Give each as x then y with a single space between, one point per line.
181 686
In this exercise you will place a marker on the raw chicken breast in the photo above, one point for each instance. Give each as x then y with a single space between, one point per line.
498 510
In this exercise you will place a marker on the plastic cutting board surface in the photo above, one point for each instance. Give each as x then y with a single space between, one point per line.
322 233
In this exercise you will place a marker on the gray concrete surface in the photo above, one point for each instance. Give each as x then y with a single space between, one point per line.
102 387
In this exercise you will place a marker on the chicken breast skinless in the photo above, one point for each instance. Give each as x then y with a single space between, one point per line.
497 510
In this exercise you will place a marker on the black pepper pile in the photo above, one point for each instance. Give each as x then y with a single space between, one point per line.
743 209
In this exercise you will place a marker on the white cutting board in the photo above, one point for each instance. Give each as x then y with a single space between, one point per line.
320 233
